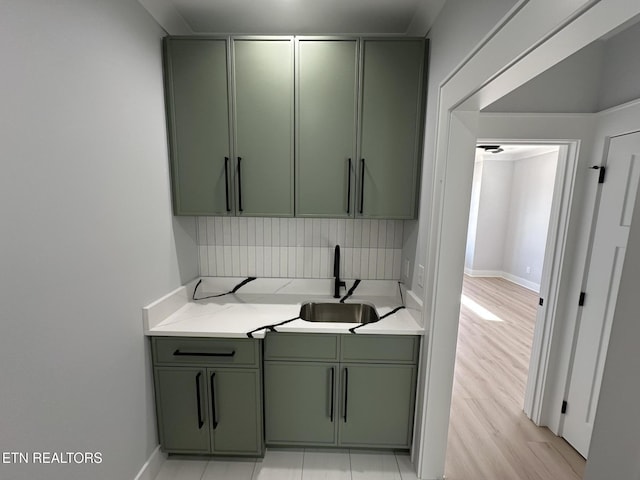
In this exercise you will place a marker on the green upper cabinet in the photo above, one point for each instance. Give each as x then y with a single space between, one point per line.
263 111
198 111
390 127
326 111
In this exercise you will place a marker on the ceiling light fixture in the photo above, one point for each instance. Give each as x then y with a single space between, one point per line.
491 148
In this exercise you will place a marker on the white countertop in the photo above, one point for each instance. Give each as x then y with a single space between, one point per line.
267 301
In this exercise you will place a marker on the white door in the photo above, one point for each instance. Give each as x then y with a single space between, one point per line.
603 279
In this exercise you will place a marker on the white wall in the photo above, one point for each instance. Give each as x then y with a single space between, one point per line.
493 215
473 211
88 237
620 69
508 228
570 86
528 220
601 75
457 30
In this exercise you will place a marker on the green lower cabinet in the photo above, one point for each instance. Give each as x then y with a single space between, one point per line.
236 420
300 403
366 401
182 412
377 404
208 409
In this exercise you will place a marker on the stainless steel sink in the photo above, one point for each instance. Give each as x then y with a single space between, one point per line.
338 312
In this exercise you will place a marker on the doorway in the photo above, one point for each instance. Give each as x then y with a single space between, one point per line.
510 214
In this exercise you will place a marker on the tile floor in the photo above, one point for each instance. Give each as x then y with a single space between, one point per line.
294 464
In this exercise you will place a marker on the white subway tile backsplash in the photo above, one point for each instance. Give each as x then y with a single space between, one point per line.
348 241
203 258
398 236
382 233
299 247
373 234
299 262
260 261
243 231
266 226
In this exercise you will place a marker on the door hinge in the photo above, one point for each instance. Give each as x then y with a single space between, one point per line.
541 301
602 173
581 300
563 410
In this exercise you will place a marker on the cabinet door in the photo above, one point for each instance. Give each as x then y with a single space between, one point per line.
326 106
390 128
181 402
376 407
198 104
263 99
300 403
235 411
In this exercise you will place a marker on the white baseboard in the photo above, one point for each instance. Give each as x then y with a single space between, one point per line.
535 287
483 273
152 466
523 282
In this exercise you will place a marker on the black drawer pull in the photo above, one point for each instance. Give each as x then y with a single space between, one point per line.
239 185
178 353
226 182
198 400
349 189
361 186
213 401
346 388
332 388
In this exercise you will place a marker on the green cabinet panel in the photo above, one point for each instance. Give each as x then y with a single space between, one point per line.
392 106
198 111
377 405
300 403
181 395
239 352
326 108
263 103
236 411
301 346
379 348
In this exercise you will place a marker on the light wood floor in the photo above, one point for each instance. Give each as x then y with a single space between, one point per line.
490 438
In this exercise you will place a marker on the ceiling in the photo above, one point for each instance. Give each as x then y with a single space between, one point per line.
304 17
512 152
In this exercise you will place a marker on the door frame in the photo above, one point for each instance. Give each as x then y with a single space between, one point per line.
531 38
555 247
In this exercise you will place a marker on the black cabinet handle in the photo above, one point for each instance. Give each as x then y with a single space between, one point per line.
226 182
349 189
213 401
178 353
333 373
346 389
361 186
200 421
239 185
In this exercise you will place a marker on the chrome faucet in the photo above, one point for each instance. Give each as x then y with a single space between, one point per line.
337 283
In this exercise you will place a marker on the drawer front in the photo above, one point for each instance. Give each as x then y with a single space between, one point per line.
301 346
206 351
379 348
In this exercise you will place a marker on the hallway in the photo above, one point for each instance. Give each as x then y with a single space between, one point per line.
490 438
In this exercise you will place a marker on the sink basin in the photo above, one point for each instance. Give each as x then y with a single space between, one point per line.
338 312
